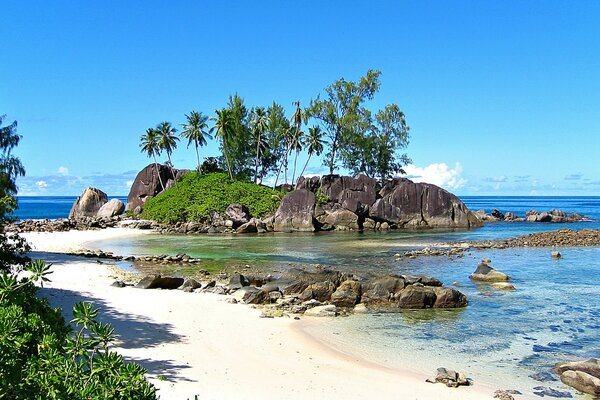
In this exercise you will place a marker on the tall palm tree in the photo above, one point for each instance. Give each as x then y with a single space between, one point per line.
295 142
224 129
149 145
313 143
167 141
259 126
195 130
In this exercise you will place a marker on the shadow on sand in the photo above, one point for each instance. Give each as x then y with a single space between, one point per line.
133 330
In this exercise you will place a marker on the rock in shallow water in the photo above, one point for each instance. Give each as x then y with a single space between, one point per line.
543 391
485 273
581 381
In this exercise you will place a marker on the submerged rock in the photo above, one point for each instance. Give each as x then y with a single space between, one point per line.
543 391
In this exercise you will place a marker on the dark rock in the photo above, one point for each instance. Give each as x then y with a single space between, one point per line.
320 291
252 295
309 183
415 297
296 281
347 294
543 391
381 289
147 184
295 212
238 281
497 214
159 282
238 213
88 204
423 279
191 284
111 209
408 204
543 377
118 284
449 298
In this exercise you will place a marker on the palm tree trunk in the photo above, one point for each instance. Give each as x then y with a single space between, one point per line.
197 156
277 176
162 185
172 170
309 156
227 161
294 175
256 160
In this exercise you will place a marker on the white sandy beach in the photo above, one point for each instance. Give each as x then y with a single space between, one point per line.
197 344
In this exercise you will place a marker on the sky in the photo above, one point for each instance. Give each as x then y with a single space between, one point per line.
502 98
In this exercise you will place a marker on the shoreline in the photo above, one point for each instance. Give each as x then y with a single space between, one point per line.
201 352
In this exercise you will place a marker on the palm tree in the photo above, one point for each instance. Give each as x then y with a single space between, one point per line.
313 143
259 126
195 130
295 142
149 145
167 141
224 129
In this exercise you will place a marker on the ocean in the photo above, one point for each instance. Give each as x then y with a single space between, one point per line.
508 339
41 207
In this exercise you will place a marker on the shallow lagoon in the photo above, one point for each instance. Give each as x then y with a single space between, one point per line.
501 337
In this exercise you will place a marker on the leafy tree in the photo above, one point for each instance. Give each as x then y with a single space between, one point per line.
240 152
167 141
12 246
196 131
210 164
277 128
224 130
259 124
149 145
313 143
342 114
297 137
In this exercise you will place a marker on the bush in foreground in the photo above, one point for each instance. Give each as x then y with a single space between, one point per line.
41 357
196 197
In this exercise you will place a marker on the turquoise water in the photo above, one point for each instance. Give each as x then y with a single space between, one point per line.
500 338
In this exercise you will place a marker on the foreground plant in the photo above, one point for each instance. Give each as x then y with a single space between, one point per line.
41 357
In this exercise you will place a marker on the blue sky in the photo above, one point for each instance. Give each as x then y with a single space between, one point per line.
502 97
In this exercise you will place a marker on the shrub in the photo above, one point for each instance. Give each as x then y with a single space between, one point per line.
196 197
41 357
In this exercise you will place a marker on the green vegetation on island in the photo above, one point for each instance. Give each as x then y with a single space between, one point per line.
260 142
41 356
196 197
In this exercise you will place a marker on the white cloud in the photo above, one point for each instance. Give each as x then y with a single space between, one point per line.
438 173
63 171
41 184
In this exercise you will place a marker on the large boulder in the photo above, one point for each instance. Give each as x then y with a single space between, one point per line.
238 213
159 282
147 184
581 381
347 294
113 208
408 204
296 281
88 204
590 366
295 212
341 219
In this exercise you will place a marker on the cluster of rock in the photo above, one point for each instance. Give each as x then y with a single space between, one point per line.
557 238
94 203
432 252
450 378
334 202
80 224
325 292
63 224
581 375
154 259
555 216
